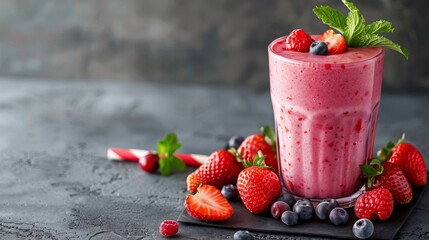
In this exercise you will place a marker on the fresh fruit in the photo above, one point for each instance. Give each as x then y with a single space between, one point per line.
264 142
339 216
168 228
388 176
149 163
208 204
278 208
408 159
298 41
304 208
319 48
335 42
363 228
243 235
221 168
323 210
290 218
230 192
374 204
258 186
234 142
287 198
394 179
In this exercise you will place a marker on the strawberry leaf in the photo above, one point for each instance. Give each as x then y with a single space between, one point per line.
269 136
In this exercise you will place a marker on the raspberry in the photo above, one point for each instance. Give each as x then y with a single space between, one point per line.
299 41
374 204
168 228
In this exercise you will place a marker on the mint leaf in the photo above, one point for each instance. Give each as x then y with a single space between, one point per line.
178 164
371 40
379 27
165 166
355 25
354 30
331 17
167 161
168 145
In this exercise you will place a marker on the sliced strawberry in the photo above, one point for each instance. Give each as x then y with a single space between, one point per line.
208 204
299 41
335 41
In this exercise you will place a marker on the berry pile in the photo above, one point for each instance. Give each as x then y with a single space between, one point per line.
390 179
328 43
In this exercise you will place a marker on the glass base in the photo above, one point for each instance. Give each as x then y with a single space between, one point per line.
344 202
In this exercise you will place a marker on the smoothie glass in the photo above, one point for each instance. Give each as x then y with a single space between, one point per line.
325 111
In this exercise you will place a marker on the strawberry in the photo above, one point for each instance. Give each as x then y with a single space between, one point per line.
299 41
208 204
221 168
335 41
374 204
258 186
408 158
389 176
264 142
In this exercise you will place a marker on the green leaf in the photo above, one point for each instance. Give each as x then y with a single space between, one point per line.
167 161
165 167
331 17
371 40
355 25
178 164
379 26
168 145
350 5
269 136
368 171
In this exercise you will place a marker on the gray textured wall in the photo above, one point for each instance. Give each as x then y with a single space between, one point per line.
203 41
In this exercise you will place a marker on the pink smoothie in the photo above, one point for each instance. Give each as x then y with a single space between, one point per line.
325 109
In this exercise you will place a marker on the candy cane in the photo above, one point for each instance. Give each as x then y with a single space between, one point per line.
133 155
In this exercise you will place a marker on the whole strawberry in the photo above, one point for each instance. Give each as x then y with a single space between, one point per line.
258 186
408 159
374 204
391 177
298 41
264 142
221 168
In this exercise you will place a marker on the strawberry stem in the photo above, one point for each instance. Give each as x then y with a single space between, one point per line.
385 153
258 161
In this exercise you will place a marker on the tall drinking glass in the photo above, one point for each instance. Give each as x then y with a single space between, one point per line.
325 111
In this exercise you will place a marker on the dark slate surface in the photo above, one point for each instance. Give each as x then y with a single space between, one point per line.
57 184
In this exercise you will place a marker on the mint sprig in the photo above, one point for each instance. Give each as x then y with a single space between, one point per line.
354 30
168 163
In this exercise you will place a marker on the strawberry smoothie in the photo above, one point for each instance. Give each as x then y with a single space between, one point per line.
325 110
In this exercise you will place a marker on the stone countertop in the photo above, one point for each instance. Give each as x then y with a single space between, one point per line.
56 182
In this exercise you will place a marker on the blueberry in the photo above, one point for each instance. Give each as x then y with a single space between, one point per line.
339 216
290 218
304 208
278 208
230 192
363 228
234 142
287 198
333 202
243 235
319 48
323 209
